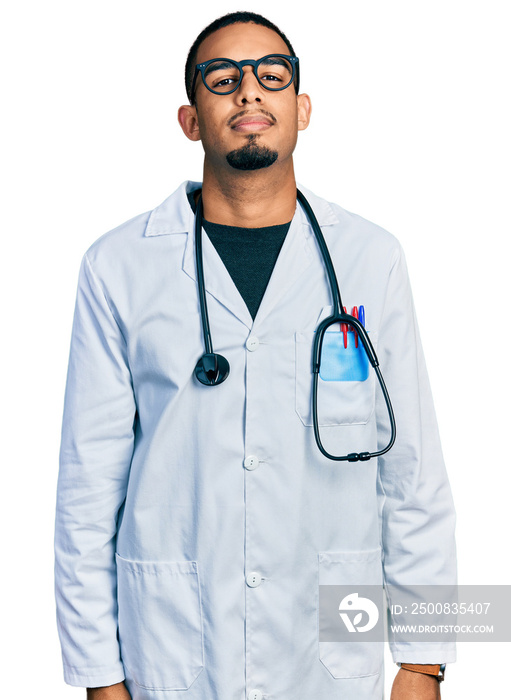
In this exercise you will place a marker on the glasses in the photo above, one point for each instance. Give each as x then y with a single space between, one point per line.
223 76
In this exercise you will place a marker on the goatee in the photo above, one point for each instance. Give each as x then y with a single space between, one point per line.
251 156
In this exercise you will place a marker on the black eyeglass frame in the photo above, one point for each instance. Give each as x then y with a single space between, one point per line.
201 67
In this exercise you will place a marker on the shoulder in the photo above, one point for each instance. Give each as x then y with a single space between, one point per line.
342 227
115 240
125 244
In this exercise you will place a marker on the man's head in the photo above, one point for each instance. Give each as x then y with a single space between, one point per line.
226 21
251 127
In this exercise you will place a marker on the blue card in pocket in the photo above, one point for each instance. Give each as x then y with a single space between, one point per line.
340 363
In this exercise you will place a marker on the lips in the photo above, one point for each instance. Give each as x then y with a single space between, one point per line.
254 122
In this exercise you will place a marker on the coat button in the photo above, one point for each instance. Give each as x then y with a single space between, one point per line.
251 462
255 695
253 579
252 343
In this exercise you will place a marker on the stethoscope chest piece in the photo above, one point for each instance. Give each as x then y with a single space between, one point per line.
212 369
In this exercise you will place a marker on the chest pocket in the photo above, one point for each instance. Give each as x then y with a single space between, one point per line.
346 384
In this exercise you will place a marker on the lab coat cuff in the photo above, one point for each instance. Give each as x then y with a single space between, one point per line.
423 653
94 678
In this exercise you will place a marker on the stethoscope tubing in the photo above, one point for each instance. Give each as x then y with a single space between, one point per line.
206 330
212 369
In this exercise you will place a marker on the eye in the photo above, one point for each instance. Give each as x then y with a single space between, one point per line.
221 75
275 70
271 77
223 82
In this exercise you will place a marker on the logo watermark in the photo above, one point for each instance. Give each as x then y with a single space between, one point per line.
355 603
415 613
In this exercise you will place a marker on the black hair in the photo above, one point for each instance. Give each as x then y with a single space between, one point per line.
225 21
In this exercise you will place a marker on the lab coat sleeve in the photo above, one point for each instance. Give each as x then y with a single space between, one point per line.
95 456
416 506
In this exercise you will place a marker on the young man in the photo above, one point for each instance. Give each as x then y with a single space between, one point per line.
195 523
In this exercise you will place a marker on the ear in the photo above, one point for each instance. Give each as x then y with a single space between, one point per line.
187 117
304 111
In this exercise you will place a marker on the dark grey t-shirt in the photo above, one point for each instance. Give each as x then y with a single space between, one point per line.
249 254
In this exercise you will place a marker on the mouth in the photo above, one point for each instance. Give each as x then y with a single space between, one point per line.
252 122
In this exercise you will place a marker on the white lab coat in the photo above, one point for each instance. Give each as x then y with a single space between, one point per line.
174 497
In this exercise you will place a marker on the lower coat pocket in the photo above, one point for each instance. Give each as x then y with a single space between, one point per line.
353 659
160 622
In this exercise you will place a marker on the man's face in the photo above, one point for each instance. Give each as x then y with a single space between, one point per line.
252 127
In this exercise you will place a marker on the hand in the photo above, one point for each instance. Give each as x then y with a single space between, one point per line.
409 685
109 692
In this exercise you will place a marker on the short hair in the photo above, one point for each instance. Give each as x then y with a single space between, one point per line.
225 21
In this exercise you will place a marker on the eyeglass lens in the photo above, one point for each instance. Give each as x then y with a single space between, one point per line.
275 73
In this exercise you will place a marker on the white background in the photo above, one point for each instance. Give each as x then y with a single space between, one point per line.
410 129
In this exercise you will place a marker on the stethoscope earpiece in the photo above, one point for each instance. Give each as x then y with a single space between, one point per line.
212 369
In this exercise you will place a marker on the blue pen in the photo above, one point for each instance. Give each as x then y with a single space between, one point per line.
362 315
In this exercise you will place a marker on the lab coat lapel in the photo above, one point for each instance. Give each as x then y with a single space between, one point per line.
294 258
298 252
175 216
217 280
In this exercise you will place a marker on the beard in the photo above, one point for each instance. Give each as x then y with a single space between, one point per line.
251 156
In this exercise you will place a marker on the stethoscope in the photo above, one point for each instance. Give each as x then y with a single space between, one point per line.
213 369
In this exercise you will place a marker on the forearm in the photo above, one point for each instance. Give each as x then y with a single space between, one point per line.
110 692
414 686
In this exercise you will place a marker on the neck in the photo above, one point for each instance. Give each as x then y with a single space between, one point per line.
252 199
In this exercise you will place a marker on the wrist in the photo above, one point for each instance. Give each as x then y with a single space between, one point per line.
118 691
435 670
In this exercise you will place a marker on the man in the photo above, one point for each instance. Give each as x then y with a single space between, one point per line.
194 523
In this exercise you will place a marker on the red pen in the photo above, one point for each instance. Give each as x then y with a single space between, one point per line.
355 314
344 329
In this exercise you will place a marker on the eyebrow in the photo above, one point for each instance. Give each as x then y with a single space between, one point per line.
275 61
220 65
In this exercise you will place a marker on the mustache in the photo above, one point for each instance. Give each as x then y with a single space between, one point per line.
251 111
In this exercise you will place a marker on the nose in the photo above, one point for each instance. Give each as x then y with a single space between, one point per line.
250 90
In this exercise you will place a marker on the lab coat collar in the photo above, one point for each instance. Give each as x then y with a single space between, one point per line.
175 215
